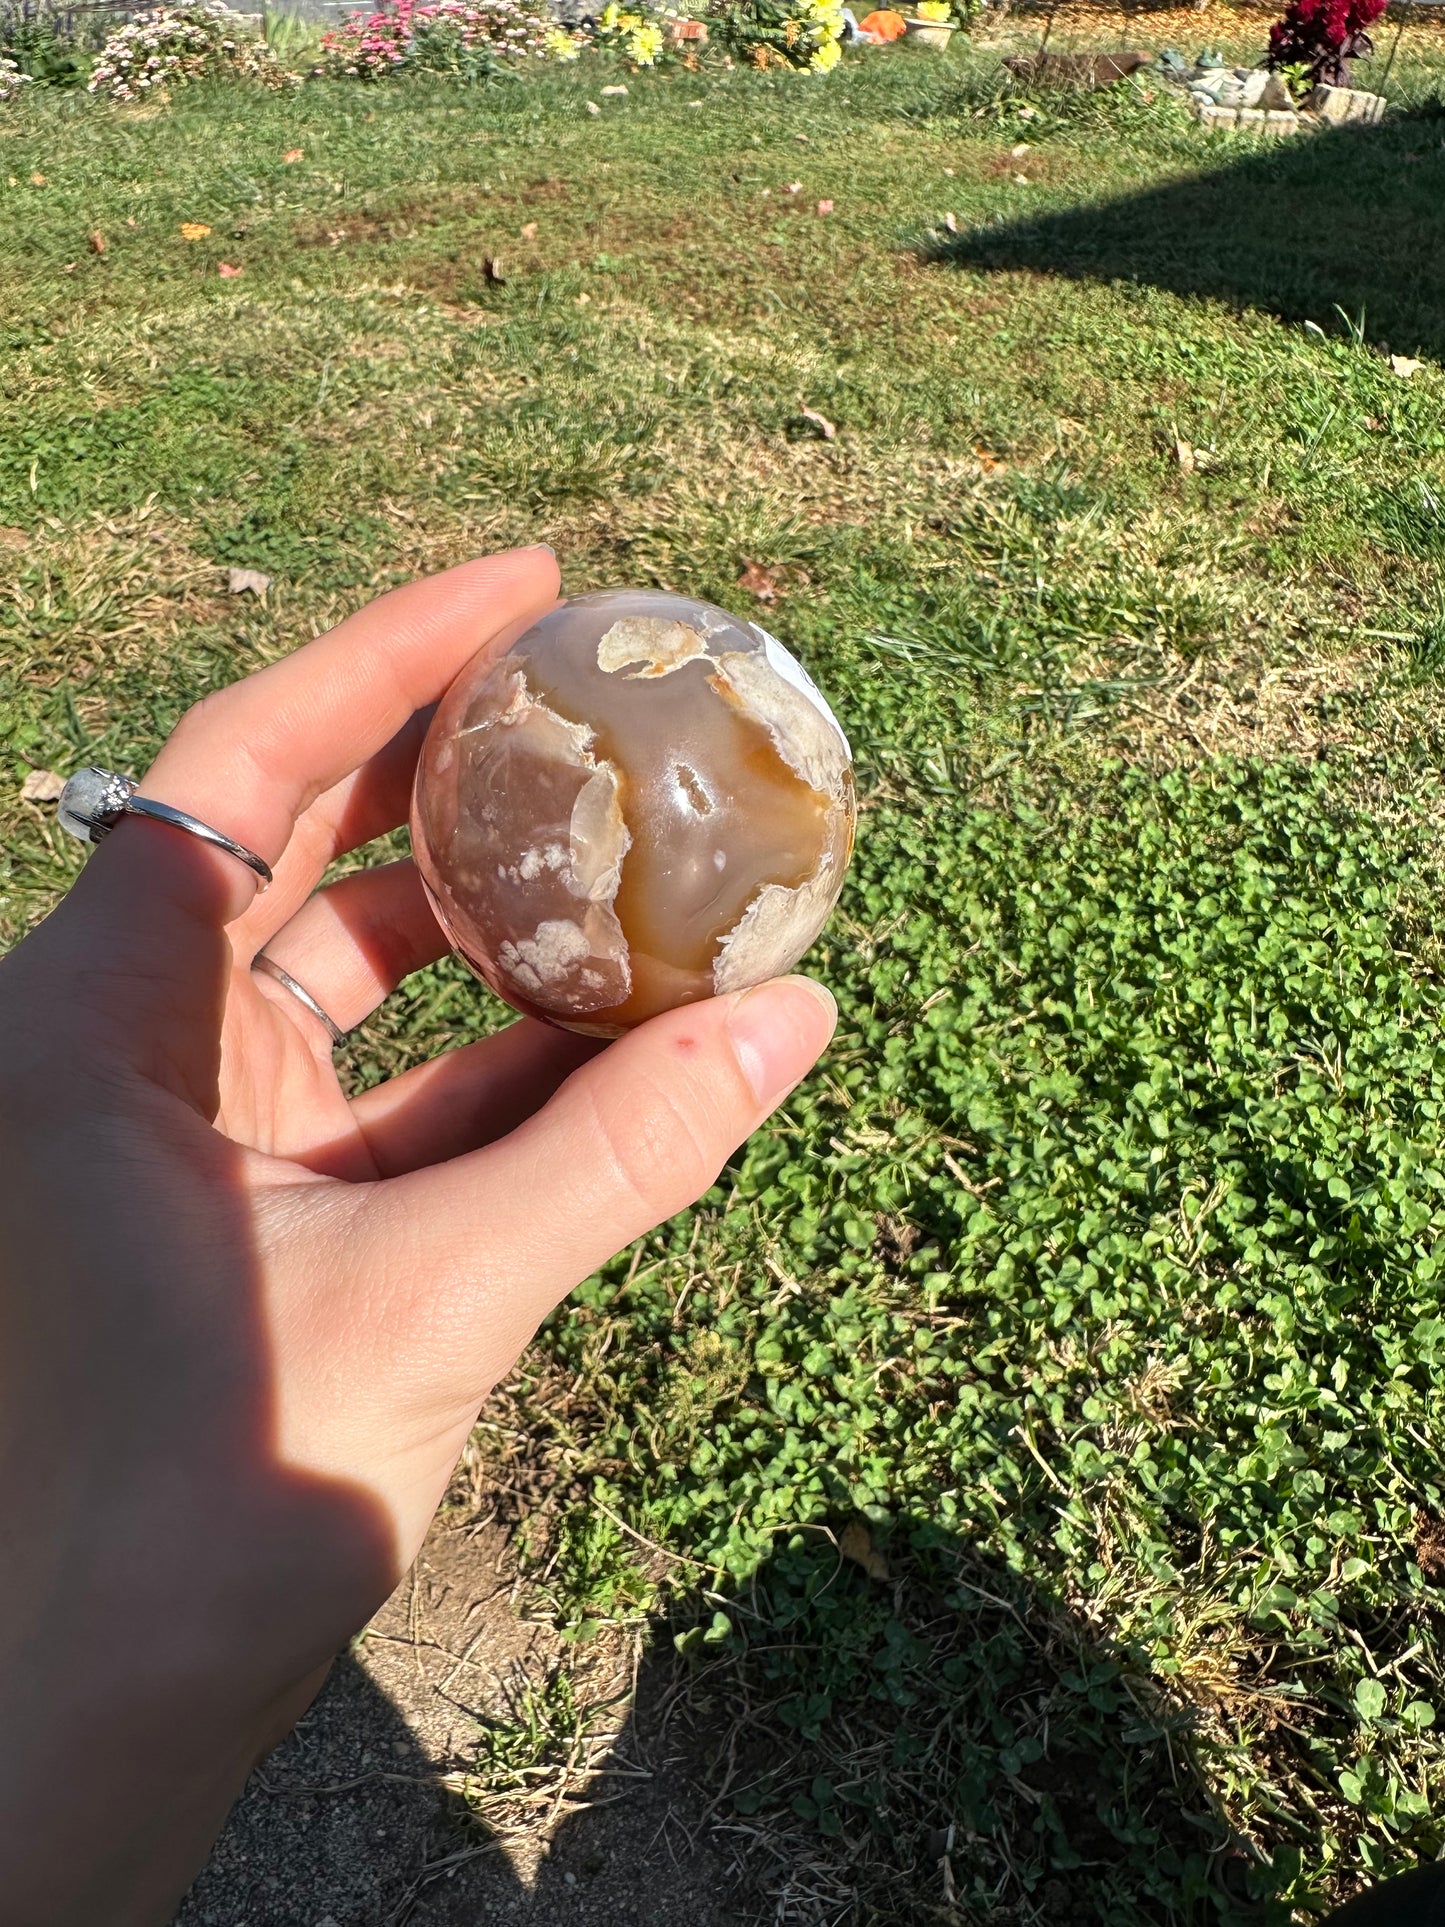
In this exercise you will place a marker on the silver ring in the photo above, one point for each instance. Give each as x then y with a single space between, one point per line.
272 969
94 801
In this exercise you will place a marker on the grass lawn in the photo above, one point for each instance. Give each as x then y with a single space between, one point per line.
1033 1443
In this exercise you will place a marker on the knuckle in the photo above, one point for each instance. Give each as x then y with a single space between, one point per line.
662 1146
205 723
202 717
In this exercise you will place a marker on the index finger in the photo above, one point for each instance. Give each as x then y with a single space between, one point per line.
249 759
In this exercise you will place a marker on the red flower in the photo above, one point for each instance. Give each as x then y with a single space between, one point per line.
1323 36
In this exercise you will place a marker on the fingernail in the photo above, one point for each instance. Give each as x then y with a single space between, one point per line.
545 548
777 1033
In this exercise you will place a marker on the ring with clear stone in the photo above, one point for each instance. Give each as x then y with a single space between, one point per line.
94 801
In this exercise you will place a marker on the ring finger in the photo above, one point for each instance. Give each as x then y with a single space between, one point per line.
352 943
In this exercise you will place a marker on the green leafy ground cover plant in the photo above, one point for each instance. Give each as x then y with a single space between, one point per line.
1033 1443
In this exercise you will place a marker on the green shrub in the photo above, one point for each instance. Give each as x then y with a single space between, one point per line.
52 45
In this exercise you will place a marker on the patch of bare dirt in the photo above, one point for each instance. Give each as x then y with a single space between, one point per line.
374 1812
1156 708
547 189
399 220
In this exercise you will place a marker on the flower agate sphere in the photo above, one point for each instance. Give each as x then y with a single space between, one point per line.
644 801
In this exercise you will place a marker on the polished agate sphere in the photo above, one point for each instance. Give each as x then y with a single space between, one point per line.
644 801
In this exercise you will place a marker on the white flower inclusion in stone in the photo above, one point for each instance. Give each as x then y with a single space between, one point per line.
643 802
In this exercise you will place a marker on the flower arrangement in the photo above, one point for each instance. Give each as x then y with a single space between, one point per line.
631 31
1317 39
804 34
171 45
936 11
470 38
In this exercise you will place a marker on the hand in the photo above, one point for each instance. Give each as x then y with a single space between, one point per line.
245 1323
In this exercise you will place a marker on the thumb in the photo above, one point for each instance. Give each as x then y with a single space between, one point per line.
634 1136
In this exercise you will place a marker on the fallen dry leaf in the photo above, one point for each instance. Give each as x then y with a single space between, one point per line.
194 230
824 427
1021 180
793 187
1184 455
1375 425
987 460
593 108
760 581
96 241
529 232
855 1542
1019 151
801 137
1430 1545
292 155
42 786
493 270
130 220
242 581
1405 366
227 271
611 93
951 223
825 207
14 539
37 180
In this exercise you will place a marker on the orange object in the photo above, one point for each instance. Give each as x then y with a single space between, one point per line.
884 24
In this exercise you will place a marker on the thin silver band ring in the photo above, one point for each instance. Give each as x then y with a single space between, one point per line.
94 801
271 968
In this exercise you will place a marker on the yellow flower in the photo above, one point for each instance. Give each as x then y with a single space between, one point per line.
560 45
934 10
827 56
645 44
194 230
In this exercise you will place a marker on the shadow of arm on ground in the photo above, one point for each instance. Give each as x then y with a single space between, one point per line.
906 1734
1350 218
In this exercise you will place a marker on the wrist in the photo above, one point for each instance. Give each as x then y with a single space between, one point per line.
168 1662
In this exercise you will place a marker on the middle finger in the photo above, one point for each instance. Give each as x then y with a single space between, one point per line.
372 800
